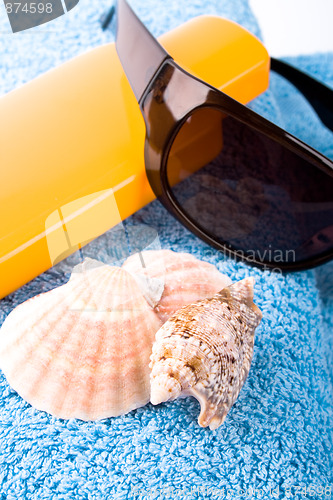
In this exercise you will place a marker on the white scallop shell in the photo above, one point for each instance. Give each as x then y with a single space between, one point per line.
205 350
185 278
82 350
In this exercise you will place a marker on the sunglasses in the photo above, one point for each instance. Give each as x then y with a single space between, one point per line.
237 181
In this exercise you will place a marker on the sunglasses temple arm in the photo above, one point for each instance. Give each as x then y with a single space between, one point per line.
141 56
139 52
318 95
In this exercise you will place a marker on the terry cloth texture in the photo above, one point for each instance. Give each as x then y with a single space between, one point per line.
276 441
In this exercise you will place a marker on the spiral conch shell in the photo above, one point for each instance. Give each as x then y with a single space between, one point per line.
205 350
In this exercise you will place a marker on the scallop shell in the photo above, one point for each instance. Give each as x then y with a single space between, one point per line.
205 350
82 350
185 278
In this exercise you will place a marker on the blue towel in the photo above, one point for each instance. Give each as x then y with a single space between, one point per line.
276 441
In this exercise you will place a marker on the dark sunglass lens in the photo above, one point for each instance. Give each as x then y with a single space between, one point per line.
248 192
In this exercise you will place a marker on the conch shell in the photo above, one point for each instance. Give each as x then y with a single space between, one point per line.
82 350
205 350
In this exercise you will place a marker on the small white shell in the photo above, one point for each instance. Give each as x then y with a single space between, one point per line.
205 350
82 350
185 278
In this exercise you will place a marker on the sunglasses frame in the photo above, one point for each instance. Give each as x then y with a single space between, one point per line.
153 73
